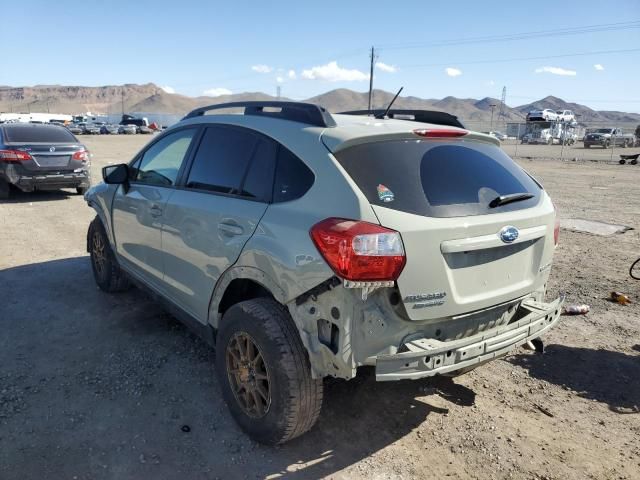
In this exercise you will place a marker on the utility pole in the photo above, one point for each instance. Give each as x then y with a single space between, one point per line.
373 61
493 106
502 103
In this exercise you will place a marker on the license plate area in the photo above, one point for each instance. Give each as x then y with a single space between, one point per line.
52 160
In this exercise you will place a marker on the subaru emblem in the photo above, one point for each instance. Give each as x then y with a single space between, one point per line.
509 234
52 149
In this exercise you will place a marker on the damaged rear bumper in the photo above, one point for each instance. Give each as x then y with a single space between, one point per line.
427 357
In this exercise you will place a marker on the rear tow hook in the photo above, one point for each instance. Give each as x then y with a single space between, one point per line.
537 345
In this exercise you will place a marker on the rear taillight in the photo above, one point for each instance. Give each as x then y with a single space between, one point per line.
81 155
359 251
14 156
440 132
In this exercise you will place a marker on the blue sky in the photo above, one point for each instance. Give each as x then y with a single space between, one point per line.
433 49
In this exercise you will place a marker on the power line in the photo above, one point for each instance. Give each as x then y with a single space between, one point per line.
521 59
519 36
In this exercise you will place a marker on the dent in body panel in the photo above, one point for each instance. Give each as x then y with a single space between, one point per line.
100 198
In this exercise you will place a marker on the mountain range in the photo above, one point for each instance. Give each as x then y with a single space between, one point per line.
150 98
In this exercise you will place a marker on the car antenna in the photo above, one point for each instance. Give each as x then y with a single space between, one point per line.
390 104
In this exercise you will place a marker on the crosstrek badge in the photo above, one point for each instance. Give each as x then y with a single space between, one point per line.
385 194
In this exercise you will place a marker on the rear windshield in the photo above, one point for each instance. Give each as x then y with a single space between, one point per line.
437 179
37 134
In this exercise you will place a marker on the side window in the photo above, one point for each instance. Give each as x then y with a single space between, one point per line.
258 182
293 178
160 164
234 161
222 160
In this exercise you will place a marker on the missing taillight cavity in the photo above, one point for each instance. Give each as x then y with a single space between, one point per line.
359 251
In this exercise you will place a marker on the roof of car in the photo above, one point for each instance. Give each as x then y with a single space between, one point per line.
337 131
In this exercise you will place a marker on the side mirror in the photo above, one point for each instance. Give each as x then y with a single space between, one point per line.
116 174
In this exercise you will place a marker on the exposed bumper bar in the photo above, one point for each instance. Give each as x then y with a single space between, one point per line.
427 357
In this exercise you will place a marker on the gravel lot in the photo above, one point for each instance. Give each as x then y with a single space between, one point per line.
95 386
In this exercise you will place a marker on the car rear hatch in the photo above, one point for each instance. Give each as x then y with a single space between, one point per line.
52 149
465 249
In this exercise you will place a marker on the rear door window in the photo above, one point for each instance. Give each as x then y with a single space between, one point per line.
432 179
33 133
235 161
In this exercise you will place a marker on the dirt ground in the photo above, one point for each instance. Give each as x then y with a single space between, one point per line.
97 386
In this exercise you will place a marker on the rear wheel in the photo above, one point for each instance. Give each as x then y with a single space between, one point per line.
264 372
81 190
106 271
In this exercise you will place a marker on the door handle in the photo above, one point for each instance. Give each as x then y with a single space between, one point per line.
156 211
230 228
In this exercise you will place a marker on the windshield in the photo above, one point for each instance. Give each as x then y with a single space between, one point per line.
437 179
603 130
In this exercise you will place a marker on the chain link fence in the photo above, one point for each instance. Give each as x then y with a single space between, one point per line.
553 140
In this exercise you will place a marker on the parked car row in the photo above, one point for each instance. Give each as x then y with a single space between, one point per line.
107 129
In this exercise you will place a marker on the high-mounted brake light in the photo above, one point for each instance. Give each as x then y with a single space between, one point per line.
82 155
440 132
14 156
359 251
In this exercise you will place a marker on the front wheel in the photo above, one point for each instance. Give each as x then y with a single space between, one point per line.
81 190
264 372
606 144
106 271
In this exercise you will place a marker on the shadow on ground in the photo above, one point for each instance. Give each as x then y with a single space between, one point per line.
75 361
18 196
602 375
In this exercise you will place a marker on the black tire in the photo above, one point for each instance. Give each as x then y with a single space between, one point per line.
81 190
586 145
634 162
622 161
606 144
294 397
4 190
634 271
106 271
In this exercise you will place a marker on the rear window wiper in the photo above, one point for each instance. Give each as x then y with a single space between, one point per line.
512 197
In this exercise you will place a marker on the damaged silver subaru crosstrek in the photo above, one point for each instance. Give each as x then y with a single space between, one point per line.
305 245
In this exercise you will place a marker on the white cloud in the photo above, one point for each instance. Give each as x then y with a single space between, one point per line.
491 83
556 71
279 79
453 72
334 73
168 89
386 68
262 68
599 67
292 74
217 92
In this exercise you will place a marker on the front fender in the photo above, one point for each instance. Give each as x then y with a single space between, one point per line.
100 197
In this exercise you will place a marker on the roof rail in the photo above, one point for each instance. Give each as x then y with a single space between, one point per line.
422 116
295 111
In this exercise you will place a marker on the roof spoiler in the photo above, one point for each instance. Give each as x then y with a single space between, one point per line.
421 116
295 111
